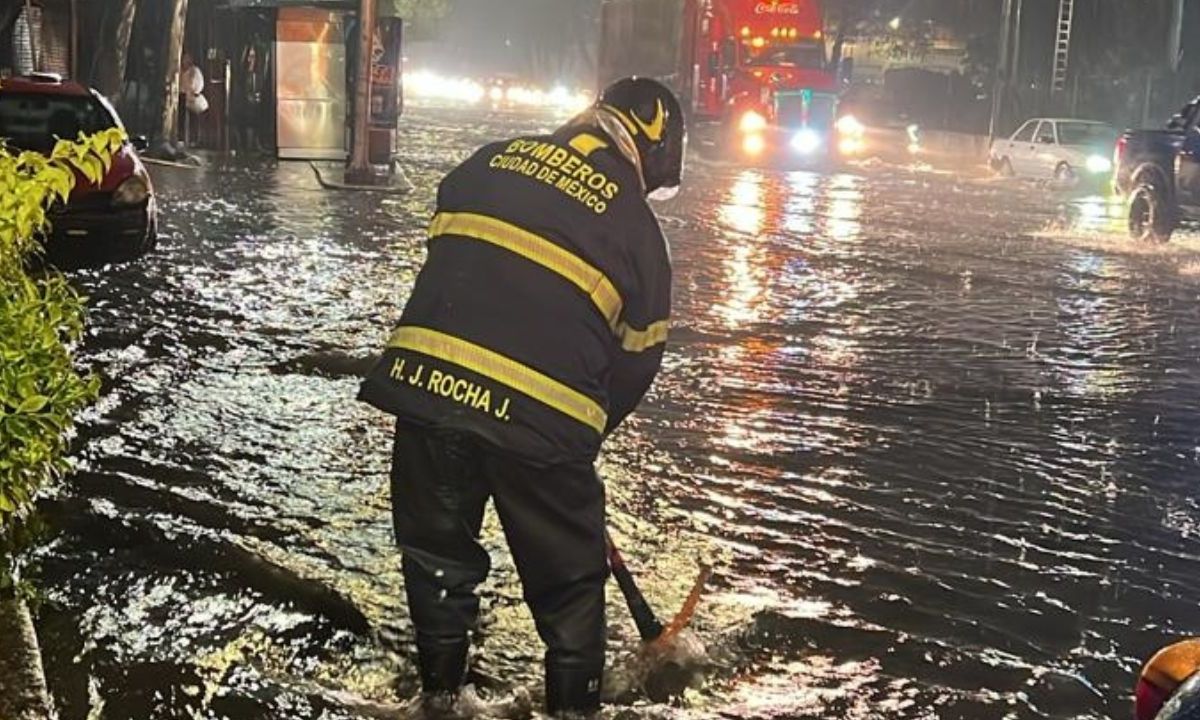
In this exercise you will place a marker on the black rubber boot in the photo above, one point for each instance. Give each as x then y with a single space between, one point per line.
443 665
573 692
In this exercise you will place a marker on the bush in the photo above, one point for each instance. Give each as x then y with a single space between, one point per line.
41 318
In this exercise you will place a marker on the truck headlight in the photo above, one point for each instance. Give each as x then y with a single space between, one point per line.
752 122
806 141
1099 164
753 144
850 125
133 191
850 145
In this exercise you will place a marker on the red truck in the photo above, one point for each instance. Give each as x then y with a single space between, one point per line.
757 67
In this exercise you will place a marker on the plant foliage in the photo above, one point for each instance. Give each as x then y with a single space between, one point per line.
41 317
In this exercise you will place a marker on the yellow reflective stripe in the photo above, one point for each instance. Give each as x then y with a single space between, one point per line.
638 340
521 378
586 144
537 249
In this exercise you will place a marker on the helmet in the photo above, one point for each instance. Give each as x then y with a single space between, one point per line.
654 119
1169 684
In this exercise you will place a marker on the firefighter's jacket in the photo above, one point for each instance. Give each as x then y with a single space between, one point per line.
539 318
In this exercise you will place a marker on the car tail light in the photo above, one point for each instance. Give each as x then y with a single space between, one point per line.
1119 151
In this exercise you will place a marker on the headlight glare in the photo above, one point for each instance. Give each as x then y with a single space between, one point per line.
1098 164
850 125
752 122
806 141
753 144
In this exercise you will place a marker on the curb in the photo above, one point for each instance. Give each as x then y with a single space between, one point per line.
399 186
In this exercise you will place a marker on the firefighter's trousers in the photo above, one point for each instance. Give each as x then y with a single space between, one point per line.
553 519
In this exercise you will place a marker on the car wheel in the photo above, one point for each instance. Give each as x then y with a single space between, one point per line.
1005 168
1064 175
1151 217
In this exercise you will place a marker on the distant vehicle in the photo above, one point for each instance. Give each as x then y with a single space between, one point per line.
1065 149
871 125
1159 170
114 220
758 67
500 89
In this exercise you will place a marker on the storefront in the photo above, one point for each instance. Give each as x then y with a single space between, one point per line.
293 71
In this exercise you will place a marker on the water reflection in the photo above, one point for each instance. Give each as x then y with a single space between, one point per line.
743 209
799 210
845 207
743 300
1093 323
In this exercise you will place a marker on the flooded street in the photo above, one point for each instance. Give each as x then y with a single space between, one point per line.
941 448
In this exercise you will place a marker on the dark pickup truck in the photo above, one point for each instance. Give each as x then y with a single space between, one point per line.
1159 171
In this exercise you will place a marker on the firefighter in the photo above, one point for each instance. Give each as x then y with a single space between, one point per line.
534 328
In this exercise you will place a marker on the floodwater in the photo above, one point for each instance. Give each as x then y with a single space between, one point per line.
938 434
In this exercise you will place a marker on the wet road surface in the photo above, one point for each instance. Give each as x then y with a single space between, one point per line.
942 448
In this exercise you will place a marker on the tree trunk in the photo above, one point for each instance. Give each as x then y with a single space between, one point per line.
114 54
24 696
168 122
359 169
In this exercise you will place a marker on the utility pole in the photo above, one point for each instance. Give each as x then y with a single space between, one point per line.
359 170
1000 87
1175 39
169 120
1015 75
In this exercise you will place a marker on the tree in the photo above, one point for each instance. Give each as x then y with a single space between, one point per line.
113 54
973 22
169 120
420 9
420 16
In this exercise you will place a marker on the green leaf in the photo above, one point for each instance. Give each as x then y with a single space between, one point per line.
32 404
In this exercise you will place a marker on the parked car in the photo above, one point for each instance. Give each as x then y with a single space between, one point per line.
116 219
1159 171
1065 149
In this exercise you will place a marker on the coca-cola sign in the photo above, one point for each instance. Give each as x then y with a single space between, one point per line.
777 8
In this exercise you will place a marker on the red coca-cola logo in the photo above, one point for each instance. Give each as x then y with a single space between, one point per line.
777 8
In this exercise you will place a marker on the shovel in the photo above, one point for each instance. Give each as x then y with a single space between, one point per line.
653 633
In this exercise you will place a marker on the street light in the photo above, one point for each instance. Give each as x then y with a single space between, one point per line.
895 23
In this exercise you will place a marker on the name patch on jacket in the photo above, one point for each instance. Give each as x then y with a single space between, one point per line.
451 387
561 169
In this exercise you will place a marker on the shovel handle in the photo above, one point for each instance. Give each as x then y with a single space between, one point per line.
643 616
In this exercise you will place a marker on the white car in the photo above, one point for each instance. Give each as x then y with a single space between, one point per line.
1064 149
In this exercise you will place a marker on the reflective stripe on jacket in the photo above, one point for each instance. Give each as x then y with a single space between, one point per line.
539 318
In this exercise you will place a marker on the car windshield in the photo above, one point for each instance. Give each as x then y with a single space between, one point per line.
33 121
1086 134
809 55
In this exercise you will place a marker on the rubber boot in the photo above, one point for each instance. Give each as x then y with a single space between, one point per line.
573 692
443 665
